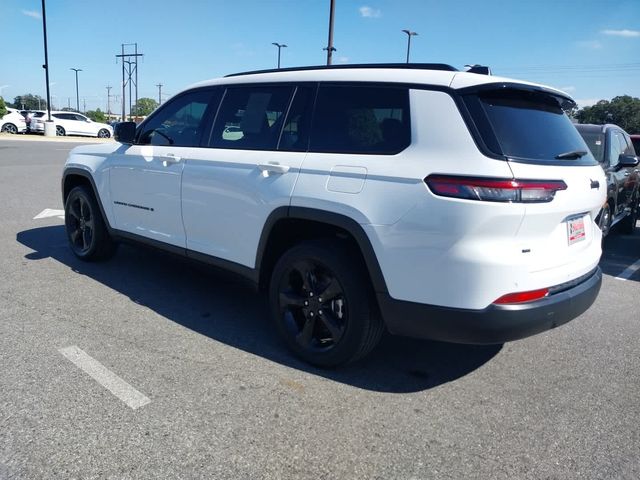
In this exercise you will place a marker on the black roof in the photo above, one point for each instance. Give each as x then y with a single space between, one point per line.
408 66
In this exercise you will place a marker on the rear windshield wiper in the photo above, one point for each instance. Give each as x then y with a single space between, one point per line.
572 155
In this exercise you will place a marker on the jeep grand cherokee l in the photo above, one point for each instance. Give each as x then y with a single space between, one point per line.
436 203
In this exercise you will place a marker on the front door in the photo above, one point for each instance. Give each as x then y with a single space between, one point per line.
146 178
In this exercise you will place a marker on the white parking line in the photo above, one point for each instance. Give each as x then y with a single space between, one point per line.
49 212
629 271
105 377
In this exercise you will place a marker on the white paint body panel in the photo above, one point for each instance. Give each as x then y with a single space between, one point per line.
431 249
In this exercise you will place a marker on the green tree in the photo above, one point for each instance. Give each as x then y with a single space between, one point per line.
96 115
29 101
3 108
624 111
144 107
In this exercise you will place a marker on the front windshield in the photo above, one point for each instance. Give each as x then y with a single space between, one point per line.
595 142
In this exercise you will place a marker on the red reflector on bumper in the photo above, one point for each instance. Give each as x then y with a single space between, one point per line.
522 297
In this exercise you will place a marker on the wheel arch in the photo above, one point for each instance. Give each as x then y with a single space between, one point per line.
287 226
74 177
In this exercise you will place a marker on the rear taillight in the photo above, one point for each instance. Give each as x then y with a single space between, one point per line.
522 297
494 189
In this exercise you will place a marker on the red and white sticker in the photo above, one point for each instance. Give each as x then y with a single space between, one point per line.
575 230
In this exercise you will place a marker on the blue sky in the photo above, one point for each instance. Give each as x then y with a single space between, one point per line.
590 48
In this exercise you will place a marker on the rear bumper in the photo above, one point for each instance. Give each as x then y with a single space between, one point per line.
494 324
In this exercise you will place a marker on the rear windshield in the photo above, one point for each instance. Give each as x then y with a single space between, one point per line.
595 142
527 125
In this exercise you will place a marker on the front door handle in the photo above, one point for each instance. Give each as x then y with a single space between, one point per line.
170 159
267 168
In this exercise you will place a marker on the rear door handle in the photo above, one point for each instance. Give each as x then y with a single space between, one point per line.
170 159
267 168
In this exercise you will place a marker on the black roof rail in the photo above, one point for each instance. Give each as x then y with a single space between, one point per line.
407 66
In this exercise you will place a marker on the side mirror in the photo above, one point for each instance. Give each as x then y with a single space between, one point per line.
124 132
628 161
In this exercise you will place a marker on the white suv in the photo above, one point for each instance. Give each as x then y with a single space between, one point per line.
72 123
13 122
436 203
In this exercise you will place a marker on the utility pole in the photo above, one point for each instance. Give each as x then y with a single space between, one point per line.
131 69
69 103
108 87
77 95
159 85
330 48
84 105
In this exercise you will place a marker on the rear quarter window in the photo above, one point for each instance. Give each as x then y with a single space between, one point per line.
361 119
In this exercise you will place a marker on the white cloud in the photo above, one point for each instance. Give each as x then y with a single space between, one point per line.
590 44
32 13
586 102
343 60
368 12
622 33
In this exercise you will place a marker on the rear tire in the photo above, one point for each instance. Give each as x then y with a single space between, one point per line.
10 128
341 327
60 131
86 231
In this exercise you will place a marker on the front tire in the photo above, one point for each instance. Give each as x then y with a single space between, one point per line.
86 231
103 133
60 131
628 225
604 220
322 303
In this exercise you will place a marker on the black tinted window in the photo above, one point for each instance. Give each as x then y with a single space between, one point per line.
526 125
251 117
295 132
180 122
361 119
595 142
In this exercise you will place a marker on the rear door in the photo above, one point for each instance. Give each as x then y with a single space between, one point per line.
528 127
257 145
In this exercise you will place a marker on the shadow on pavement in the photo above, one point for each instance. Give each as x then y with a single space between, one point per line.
620 251
223 308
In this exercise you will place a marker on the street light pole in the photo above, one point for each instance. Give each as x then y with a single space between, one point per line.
409 35
279 47
77 95
46 62
329 48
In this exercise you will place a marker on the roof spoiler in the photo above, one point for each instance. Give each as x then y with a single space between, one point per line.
479 69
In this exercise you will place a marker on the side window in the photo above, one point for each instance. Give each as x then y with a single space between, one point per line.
179 123
251 117
79 118
628 150
361 119
615 148
295 132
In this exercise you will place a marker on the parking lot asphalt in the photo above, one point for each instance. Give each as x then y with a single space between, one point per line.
224 399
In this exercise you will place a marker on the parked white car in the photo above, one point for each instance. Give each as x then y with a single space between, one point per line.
434 203
72 123
13 122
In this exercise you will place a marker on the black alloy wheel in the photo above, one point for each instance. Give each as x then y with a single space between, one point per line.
313 305
103 133
604 221
86 230
322 303
60 131
628 225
